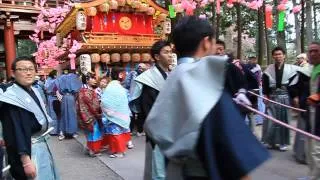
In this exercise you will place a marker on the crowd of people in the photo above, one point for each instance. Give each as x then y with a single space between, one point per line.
193 114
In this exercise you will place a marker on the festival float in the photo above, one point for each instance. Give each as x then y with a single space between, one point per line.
103 34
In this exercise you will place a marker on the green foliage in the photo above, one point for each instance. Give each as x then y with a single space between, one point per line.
25 47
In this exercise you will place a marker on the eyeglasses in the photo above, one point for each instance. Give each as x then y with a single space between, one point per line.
25 70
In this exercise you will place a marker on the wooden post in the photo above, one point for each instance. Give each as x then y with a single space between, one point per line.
9 45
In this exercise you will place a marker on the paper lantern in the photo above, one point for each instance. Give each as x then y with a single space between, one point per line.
166 27
121 2
113 4
91 11
136 57
105 58
125 57
115 57
104 7
95 58
85 63
151 11
81 21
162 17
145 57
136 4
143 7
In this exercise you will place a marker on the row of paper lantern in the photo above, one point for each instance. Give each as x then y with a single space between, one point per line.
114 4
117 57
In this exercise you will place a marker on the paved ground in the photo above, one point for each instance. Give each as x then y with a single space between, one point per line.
74 164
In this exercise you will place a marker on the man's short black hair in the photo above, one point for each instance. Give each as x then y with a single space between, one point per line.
52 73
188 34
22 58
221 43
278 48
157 46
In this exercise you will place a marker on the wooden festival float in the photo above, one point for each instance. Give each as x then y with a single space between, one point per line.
113 33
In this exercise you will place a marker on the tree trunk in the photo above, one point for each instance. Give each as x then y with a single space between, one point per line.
281 35
309 28
315 7
218 25
297 30
239 28
266 33
302 25
261 41
214 19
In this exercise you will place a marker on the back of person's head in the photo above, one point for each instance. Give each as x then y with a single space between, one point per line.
188 34
53 73
115 74
157 46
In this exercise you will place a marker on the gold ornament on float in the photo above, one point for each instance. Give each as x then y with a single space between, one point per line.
162 17
143 7
151 11
113 4
121 2
104 7
91 11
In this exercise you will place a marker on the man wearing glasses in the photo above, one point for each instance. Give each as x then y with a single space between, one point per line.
24 123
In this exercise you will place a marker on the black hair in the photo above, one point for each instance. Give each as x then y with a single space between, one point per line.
23 58
157 46
278 48
85 78
52 73
221 43
188 34
115 73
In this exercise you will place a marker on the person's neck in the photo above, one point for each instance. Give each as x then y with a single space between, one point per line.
279 65
165 69
28 88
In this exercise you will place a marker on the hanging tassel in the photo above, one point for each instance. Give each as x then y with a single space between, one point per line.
218 6
268 19
172 13
282 16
